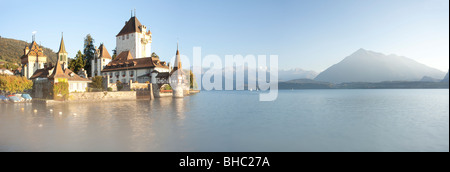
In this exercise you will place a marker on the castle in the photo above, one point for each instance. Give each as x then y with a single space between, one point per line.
134 62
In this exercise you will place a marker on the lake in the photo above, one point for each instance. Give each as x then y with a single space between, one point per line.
301 120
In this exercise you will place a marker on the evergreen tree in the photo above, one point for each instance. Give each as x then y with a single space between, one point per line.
114 53
89 52
78 63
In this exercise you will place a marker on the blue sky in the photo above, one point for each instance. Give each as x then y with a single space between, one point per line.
307 34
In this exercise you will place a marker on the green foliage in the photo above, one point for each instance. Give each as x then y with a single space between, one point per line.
78 63
114 53
155 55
61 91
89 52
167 87
110 89
11 50
7 65
119 85
192 82
14 84
97 82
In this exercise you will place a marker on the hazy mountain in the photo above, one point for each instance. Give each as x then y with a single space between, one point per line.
369 66
445 78
297 73
11 50
304 84
429 79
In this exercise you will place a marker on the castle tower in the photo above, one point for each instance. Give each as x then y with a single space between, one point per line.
101 59
135 38
62 54
33 59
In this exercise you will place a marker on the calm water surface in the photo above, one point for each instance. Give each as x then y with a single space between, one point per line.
307 120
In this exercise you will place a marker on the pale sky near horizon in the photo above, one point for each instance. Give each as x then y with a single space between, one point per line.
307 34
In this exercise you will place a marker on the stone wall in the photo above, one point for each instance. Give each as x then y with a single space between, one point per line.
146 93
41 88
139 86
103 96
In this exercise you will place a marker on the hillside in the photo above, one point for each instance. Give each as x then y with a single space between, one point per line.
369 66
11 50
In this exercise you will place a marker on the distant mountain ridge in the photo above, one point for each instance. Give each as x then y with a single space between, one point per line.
445 78
297 73
11 50
369 66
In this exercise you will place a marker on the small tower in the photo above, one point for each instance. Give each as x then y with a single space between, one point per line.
178 78
62 54
101 59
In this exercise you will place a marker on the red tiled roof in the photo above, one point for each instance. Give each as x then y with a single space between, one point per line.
122 57
103 52
41 73
58 72
133 64
75 77
131 26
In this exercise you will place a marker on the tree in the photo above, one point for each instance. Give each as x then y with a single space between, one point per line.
114 53
97 82
192 82
78 63
89 52
155 55
14 84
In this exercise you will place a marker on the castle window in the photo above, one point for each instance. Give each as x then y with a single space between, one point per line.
128 36
123 37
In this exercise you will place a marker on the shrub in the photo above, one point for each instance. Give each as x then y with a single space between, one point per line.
167 87
61 91
14 84
119 85
110 89
97 82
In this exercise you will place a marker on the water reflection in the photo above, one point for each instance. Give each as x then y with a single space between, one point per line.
312 120
103 126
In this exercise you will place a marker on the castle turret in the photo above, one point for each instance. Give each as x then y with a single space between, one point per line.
178 78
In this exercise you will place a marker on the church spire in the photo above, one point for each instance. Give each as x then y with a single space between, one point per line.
62 54
62 48
177 59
